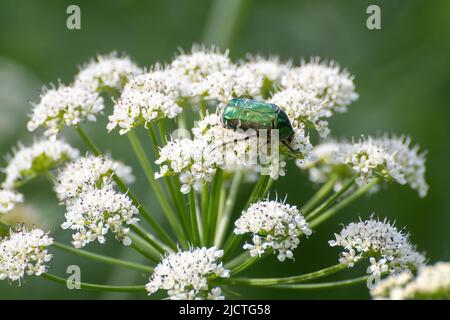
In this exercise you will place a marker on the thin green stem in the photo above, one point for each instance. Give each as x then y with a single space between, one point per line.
319 195
204 209
144 252
124 188
148 170
148 237
244 264
162 132
332 199
345 202
193 214
214 206
92 286
102 258
87 141
284 280
324 285
225 215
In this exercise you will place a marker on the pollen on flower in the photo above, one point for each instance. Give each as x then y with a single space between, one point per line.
185 274
148 97
24 252
431 282
65 106
333 86
30 161
8 200
96 211
388 249
275 226
88 171
107 71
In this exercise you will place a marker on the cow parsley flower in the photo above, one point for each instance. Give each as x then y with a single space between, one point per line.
97 211
148 97
388 249
431 282
41 156
275 227
107 71
304 107
194 68
192 160
88 171
391 158
8 200
65 106
23 252
333 86
185 274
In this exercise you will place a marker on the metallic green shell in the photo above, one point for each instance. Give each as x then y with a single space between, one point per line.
252 114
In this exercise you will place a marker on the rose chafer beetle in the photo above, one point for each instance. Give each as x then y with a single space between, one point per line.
242 113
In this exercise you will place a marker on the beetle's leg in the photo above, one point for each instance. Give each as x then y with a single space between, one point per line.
235 141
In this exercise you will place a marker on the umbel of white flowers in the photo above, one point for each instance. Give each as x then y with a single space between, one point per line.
431 282
24 252
388 249
391 158
184 274
275 227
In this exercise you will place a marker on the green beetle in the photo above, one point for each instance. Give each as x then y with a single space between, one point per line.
253 114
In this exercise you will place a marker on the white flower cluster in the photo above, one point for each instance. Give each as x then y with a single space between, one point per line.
8 200
185 274
42 155
65 106
275 226
388 249
107 71
93 207
192 160
312 92
431 282
332 85
391 158
23 252
148 97
88 171
98 210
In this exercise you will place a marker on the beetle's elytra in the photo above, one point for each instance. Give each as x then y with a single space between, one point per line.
253 114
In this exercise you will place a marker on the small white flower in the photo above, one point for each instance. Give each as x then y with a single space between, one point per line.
333 86
431 282
275 226
184 274
388 249
65 106
148 97
23 252
41 156
107 71
8 200
193 69
88 171
97 211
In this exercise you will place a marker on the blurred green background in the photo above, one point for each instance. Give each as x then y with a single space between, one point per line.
402 76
